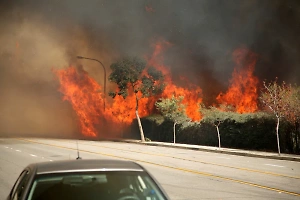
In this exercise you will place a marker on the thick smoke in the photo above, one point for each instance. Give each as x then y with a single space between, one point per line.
38 36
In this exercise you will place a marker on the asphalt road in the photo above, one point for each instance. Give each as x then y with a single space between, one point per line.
185 174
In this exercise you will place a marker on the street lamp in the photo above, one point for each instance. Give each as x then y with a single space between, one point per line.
81 57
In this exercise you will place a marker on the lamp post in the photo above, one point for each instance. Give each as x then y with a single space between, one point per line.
81 57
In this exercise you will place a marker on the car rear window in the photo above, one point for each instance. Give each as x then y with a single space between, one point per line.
119 185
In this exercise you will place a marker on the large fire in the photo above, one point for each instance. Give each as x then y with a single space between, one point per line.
242 93
87 99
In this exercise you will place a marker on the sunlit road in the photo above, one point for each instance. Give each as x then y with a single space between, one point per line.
185 174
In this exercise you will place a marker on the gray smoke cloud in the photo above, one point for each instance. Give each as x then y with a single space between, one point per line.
38 36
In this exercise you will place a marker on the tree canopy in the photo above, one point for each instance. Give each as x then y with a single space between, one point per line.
276 97
216 116
133 76
172 109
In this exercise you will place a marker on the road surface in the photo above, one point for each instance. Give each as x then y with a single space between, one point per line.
184 174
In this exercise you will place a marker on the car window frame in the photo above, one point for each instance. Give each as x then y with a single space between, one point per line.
24 175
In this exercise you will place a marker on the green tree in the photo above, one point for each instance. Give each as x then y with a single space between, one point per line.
216 116
132 75
276 98
174 110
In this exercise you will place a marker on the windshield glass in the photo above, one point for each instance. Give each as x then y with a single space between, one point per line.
89 186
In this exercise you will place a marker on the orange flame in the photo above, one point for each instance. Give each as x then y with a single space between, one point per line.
84 94
242 93
192 93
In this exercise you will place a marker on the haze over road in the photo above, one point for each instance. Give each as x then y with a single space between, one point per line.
185 174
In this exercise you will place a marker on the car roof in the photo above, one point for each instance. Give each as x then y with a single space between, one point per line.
83 165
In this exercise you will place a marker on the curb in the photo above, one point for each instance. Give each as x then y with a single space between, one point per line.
223 151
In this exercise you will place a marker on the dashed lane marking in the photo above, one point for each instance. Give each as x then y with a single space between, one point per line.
274 165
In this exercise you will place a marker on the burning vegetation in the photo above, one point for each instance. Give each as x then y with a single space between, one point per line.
87 98
242 93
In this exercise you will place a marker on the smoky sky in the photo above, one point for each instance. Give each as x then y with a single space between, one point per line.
203 33
38 36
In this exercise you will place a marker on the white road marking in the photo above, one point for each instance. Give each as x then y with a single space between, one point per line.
17 150
51 160
33 155
274 165
6 147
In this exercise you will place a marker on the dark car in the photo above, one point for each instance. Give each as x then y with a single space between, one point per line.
86 180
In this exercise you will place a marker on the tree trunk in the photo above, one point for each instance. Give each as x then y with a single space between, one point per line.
219 137
174 132
277 130
138 119
140 126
